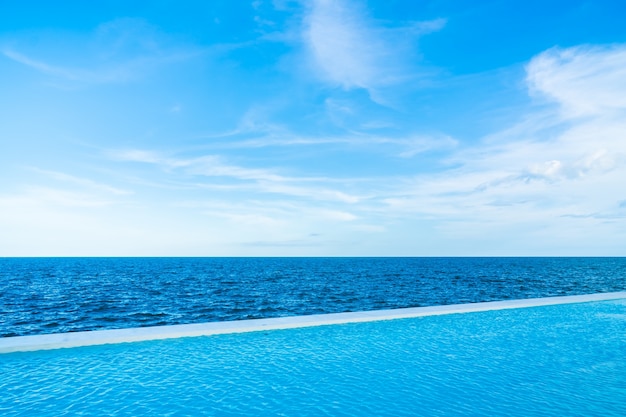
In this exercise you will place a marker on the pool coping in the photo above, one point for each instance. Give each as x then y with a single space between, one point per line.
139 334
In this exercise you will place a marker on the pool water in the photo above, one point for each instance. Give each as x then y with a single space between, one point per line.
556 360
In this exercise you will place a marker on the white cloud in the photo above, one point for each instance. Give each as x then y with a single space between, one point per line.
585 80
344 50
551 184
118 73
351 51
420 144
42 66
214 166
402 146
82 182
115 52
257 179
137 155
310 192
564 178
38 196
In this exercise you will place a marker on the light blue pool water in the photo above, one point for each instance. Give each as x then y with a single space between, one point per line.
563 360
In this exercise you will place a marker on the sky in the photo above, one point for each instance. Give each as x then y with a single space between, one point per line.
313 128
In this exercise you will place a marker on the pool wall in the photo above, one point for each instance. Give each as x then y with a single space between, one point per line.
101 337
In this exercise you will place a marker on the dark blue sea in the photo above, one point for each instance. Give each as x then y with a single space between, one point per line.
52 295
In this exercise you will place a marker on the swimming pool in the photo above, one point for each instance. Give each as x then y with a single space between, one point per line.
550 360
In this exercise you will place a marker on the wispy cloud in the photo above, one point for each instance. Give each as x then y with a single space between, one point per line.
255 130
539 175
551 174
109 73
54 197
116 51
403 147
352 51
42 66
585 80
82 182
264 180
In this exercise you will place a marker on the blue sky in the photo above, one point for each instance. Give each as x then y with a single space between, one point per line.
312 128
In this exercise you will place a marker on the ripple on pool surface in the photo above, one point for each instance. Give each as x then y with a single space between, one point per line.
552 360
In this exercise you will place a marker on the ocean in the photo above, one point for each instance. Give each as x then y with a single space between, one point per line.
53 295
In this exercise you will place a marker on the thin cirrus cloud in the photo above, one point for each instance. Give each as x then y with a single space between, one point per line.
323 126
403 147
585 80
114 52
566 168
351 51
42 197
99 74
262 180
255 131
547 167
84 183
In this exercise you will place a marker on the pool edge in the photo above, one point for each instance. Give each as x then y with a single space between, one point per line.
138 334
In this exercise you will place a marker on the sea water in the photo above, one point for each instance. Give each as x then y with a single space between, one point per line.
560 360
52 295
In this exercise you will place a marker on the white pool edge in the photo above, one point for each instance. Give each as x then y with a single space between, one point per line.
138 334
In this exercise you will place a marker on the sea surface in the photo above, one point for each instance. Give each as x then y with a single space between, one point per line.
53 295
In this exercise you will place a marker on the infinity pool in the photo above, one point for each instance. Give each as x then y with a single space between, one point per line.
554 360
